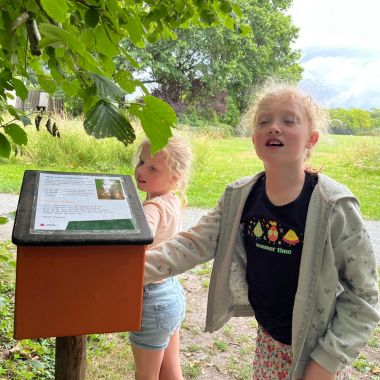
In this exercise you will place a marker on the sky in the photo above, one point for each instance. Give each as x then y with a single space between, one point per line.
340 44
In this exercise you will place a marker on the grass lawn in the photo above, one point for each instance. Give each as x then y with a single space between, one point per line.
351 160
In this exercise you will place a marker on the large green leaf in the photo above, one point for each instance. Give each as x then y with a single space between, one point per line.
16 133
5 146
106 88
134 28
55 9
157 118
71 88
54 34
20 88
103 44
48 84
105 120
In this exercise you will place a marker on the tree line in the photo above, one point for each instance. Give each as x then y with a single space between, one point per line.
95 51
355 121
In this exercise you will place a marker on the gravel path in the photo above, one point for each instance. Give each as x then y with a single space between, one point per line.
8 204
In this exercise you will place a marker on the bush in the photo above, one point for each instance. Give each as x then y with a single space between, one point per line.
232 116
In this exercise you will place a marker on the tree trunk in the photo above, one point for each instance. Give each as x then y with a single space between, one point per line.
70 358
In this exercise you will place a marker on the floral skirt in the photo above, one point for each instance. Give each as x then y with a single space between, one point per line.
273 359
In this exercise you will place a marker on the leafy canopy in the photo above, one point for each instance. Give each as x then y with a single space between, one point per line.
71 45
207 68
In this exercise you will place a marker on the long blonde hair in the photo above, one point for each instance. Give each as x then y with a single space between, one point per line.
178 157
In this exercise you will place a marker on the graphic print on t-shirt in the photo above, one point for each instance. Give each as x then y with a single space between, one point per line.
270 235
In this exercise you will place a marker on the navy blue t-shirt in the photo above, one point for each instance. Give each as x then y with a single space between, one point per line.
273 237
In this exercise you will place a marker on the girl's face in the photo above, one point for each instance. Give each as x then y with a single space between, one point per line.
153 174
282 132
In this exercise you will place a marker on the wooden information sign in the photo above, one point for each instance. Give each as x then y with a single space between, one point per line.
81 242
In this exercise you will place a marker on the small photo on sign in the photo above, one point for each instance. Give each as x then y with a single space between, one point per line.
109 189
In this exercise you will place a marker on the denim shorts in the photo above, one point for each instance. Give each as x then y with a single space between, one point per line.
163 310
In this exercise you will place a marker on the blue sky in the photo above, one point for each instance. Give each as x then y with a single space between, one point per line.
339 40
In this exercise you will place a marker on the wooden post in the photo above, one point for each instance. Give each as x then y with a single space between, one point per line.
70 358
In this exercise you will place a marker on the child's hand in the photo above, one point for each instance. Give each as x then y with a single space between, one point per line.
314 371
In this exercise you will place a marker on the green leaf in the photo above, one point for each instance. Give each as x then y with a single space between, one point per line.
5 146
126 81
179 5
47 43
103 44
105 120
16 133
88 38
53 33
13 111
134 28
142 86
55 9
3 220
131 60
48 84
225 7
6 75
20 88
208 16
229 23
107 88
237 10
153 37
89 102
91 17
25 120
108 64
245 30
157 118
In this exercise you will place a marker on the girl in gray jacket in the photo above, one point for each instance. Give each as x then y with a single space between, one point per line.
289 246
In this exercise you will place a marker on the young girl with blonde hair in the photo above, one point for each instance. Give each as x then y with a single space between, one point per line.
289 247
163 176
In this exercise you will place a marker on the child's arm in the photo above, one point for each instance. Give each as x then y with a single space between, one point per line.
357 311
186 249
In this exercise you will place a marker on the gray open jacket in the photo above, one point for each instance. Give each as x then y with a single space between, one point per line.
336 305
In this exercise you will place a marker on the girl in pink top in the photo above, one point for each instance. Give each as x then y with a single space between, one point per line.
162 176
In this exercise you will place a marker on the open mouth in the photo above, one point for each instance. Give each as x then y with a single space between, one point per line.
272 142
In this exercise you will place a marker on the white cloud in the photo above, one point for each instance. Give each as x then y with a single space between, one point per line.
344 82
343 23
341 53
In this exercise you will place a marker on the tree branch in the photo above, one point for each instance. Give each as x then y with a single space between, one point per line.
45 14
85 4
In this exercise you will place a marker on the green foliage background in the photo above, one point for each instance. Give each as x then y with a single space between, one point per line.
71 46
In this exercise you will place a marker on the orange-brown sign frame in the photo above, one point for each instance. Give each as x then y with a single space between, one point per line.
78 283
